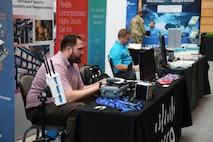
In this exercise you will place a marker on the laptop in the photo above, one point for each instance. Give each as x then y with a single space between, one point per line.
148 33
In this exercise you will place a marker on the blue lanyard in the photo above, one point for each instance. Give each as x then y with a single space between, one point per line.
121 104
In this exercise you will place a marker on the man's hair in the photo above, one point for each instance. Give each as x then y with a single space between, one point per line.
69 40
152 21
139 11
123 33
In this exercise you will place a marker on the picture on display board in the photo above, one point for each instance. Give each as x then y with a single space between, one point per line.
23 30
43 30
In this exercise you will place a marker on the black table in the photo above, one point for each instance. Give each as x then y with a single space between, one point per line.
197 80
160 118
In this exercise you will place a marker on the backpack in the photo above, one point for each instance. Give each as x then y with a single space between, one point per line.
91 74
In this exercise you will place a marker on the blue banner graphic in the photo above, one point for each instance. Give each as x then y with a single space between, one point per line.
132 8
7 120
131 11
174 14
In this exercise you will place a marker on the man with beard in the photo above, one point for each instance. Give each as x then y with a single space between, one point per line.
77 94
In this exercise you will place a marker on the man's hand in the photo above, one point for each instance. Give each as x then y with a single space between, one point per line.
135 67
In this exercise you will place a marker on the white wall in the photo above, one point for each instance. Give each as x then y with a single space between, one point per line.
115 20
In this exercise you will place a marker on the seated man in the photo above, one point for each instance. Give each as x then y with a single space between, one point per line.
153 30
77 94
121 59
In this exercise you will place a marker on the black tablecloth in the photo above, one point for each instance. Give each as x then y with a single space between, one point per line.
197 80
160 118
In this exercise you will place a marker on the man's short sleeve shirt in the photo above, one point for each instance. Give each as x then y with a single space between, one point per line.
120 55
69 74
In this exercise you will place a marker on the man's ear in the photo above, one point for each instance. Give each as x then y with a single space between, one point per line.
69 49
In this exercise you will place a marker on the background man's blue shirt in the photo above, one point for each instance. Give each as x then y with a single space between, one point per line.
154 31
120 55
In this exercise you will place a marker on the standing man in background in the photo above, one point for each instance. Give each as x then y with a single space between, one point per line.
137 28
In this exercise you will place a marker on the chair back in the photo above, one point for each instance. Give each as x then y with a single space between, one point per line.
111 65
24 82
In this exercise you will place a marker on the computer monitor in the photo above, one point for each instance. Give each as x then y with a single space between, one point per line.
174 38
163 51
147 65
134 55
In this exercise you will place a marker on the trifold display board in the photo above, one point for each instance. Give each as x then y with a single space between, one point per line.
87 19
183 14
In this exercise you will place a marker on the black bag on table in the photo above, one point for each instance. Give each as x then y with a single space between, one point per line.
91 74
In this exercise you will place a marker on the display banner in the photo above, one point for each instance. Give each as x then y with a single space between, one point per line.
96 32
72 18
132 8
183 14
7 118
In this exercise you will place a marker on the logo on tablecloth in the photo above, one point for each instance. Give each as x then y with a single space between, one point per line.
165 117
